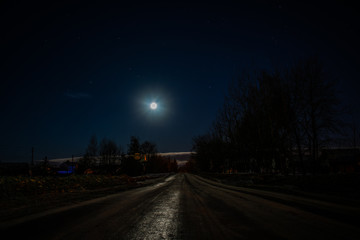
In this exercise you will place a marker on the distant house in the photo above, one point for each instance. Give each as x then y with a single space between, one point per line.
67 168
14 168
342 160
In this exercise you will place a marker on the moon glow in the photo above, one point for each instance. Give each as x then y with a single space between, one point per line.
153 106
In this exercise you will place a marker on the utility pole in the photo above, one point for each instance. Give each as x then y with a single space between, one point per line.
32 156
32 162
355 133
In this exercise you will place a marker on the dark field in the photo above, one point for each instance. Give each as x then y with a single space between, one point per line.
23 195
336 187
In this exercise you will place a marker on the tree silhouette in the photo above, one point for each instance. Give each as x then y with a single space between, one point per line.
269 114
109 155
148 148
90 157
134 146
316 106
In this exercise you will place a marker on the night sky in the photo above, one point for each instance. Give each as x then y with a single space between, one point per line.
69 71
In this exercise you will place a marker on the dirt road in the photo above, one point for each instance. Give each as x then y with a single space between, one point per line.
186 206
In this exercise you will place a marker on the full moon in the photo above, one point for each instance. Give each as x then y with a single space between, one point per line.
153 105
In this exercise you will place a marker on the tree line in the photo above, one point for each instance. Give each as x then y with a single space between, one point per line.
273 121
108 157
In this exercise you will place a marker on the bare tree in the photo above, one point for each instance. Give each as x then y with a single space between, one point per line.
134 146
148 148
316 107
108 152
91 152
269 114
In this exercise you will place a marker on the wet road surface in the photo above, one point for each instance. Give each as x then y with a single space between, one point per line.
186 206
